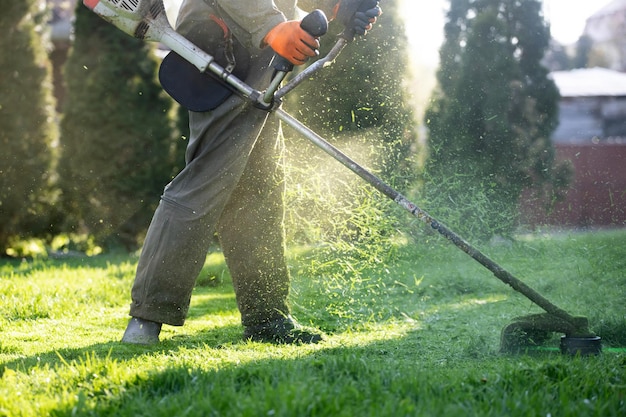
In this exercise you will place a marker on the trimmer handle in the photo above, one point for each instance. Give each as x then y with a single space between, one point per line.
315 24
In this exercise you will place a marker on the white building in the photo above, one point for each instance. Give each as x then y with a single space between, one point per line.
607 29
592 107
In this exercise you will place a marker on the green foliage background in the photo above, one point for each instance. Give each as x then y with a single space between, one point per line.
491 117
122 138
28 131
360 105
118 147
363 92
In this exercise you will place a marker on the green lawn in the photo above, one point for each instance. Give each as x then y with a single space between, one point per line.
412 330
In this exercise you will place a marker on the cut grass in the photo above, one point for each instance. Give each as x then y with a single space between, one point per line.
415 335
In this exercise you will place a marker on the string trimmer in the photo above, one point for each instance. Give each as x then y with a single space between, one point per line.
147 20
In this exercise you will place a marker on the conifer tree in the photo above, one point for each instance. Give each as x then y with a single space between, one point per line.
492 115
361 104
363 92
117 133
27 121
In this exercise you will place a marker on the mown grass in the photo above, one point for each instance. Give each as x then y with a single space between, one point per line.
411 330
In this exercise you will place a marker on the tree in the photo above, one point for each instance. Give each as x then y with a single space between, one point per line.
363 91
492 115
361 104
557 58
117 133
27 122
584 46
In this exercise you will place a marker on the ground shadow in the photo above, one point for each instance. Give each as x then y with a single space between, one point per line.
212 338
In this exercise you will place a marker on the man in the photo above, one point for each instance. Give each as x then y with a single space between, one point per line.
233 181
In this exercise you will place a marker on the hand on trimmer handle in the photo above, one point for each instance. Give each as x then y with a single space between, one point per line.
294 45
357 16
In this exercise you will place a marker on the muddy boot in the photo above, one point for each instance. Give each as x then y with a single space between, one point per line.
281 331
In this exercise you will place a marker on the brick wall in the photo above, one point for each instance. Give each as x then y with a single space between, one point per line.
597 195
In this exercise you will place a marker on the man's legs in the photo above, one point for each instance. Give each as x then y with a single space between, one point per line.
251 232
233 182
183 225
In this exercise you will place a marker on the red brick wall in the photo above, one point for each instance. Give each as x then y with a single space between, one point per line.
597 195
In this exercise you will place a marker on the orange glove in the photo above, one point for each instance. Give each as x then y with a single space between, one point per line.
292 42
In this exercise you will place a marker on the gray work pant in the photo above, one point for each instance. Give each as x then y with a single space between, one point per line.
232 184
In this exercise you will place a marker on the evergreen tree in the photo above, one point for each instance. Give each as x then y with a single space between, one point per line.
584 46
117 133
363 92
361 104
27 121
491 118
557 58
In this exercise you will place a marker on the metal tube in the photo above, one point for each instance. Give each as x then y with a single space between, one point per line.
314 67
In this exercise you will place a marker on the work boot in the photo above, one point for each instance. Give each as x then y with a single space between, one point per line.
141 332
281 331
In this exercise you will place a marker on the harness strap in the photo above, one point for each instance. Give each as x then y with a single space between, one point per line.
221 24
229 53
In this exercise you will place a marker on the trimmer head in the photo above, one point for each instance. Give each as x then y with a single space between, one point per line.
584 346
529 332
